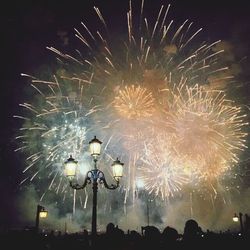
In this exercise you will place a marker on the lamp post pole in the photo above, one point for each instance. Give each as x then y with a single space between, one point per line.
241 223
40 212
93 177
38 209
95 190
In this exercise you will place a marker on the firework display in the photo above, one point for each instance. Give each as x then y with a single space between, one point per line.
157 99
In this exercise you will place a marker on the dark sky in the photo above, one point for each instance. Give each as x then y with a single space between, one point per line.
27 27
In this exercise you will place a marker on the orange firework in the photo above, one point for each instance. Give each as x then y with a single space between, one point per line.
207 130
134 102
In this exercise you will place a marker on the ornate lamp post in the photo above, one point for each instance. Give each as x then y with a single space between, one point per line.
93 176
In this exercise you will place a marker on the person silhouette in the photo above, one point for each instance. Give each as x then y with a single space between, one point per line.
191 230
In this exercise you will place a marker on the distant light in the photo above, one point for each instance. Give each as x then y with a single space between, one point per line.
235 218
43 214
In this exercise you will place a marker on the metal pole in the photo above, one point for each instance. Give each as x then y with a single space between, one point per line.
37 218
95 188
241 223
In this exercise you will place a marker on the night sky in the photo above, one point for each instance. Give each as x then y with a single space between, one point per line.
28 27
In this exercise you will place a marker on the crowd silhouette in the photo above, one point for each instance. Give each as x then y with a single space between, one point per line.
114 238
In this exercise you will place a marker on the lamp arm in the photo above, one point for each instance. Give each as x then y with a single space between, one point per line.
111 186
77 186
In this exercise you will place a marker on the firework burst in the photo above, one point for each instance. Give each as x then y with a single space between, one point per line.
207 129
153 84
134 103
160 172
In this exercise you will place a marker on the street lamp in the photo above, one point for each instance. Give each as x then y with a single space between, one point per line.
237 218
93 176
42 213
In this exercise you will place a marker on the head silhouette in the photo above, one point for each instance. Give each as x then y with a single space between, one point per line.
191 229
170 234
110 228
